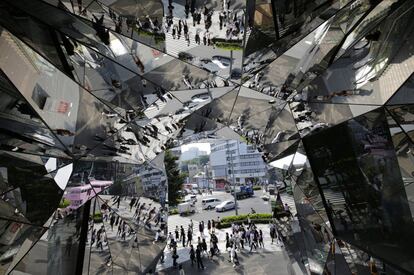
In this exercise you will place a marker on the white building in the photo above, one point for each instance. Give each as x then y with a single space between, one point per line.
153 182
248 164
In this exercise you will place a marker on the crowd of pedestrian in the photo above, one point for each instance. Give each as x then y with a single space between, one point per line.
246 237
231 20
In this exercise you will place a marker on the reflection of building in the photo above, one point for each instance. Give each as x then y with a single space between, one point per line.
192 153
247 162
151 178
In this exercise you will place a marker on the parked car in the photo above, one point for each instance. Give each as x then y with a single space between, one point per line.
200 97
265 197
210 203
236 74
185 56
221 61
225 205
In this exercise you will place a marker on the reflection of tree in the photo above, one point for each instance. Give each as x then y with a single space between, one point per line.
201 160
175 178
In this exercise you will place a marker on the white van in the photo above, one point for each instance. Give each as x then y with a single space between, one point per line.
192 198
186 208
210 203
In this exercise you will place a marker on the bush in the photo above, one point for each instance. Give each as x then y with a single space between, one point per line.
257 187
173 211
235 45
256 218
64 203
228 46
158 37
230 219
97 218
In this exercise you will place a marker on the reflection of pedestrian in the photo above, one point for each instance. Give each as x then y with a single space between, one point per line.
204 39
68 245
118 201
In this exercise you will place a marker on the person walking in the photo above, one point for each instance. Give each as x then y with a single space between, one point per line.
183 238
131 204
189 236
242 237
175 257
261 244
214 241
171 239
182 233
192 255
227 241
180 28
112 221
272 231
253 240
190 226
287 210
204 246
177 235
199 259
213 226
204 39
201 227
209 226
197 38
174 31
233 256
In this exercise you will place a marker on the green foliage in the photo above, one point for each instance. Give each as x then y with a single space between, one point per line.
243 217
173 211
256 187
175 178
97 218
158 37
64 203
201 160
256 218
234 45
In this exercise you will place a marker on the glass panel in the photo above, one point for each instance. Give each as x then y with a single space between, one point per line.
100 258
313 117
56 251
21 128
404 116
356 161
370 73
15 241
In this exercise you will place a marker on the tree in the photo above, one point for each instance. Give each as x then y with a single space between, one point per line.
175 178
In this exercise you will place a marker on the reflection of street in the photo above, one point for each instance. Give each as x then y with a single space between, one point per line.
125 239
55 252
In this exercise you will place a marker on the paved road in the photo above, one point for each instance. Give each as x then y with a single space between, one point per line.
244 206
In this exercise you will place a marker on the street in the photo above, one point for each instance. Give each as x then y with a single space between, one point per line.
244 206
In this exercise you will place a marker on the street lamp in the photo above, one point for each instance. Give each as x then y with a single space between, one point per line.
234 182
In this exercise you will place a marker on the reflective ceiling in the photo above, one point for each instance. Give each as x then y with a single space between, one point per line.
93 93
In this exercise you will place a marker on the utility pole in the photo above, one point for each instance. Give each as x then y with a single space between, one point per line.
234 182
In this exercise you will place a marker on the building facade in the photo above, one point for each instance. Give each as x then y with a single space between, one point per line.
245 160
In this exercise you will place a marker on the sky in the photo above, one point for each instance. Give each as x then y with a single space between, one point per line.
200 146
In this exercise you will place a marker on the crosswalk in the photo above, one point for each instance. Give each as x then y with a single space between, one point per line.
155 108
286 198
334 198
175 46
